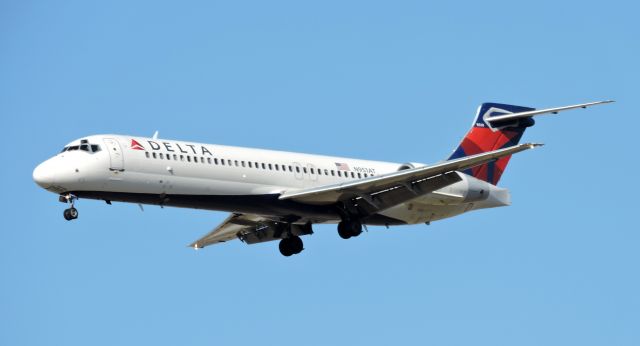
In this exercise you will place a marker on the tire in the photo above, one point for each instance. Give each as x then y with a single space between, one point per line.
343 230
73 212
355 227
285 247
67 215
296 244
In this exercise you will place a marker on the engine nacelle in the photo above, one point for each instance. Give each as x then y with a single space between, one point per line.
476 190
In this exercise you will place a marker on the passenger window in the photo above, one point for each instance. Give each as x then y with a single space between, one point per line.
257 165
175 157
161 157
209 160
366 175
242 162
264 166
311 169
229 162
181 157
326 172
353 175
270 168
154 155
146 153
297 169
304 169
333 173
277 169
222 162
290 169
168 156
359 175
249 163
339 173
188 158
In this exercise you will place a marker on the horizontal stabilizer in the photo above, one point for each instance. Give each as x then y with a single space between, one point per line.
527 114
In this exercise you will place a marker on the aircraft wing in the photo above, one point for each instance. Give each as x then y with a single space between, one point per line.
250 229
384 191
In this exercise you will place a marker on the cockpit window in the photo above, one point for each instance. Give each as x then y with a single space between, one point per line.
85 146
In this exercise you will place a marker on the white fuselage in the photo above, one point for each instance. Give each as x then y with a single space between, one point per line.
235 179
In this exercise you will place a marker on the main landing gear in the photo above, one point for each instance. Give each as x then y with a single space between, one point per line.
349 228
70 213
291 245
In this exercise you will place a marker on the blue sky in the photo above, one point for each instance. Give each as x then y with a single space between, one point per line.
396 81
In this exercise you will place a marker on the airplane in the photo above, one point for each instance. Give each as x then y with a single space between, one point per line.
277 195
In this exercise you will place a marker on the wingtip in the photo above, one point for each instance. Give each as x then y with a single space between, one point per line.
534 145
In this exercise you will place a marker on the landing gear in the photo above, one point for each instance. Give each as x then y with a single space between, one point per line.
70 213
349 228
291 246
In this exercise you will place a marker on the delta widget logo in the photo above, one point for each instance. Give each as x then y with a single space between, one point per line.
135 145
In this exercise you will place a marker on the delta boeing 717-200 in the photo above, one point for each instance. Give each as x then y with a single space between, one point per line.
277 195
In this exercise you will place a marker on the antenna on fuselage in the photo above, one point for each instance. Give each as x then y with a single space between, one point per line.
155 135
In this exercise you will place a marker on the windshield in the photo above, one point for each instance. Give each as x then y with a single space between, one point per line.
84 146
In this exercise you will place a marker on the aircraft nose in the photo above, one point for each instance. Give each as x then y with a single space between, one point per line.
43 175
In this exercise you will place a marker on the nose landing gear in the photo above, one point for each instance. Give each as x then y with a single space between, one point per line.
70 213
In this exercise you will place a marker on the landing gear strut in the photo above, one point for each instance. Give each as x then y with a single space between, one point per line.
349 228
291 246
70 213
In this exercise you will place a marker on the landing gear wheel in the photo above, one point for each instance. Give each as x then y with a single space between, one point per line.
284 248
349 228
70 214
343 230
296 245
291 246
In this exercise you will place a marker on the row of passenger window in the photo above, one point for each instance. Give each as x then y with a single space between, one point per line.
257 165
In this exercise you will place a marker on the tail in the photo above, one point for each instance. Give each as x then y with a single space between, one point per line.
488 135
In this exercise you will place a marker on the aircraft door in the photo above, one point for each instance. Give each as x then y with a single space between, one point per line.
115 154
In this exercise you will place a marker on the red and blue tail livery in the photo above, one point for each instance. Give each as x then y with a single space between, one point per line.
486 135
